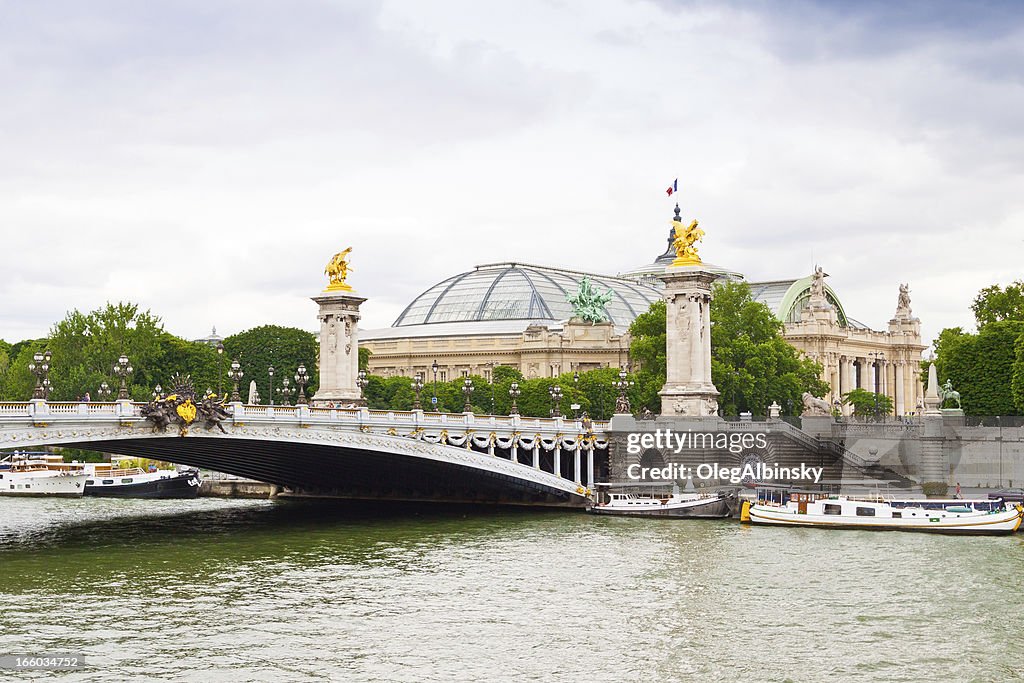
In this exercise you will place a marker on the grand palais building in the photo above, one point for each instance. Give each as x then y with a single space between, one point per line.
518 314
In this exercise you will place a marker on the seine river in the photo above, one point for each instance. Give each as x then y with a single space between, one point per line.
220 590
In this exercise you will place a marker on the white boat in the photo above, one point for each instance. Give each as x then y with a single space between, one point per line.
41 475
814 509
713 504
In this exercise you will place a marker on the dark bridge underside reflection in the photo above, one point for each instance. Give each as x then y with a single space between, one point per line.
344 472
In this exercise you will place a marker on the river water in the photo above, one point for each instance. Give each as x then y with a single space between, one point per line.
222 590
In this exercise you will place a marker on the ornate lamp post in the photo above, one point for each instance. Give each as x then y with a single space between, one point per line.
40 367
285 391
417 386
270 398
123 369
513 392
361 382
104 392
235 374
158 392
433 400
556 400
622 406
302 379
220 367
467 391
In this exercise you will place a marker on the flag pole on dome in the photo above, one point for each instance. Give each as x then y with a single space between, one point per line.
674 187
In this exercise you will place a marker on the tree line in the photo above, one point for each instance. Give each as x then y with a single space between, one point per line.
752 364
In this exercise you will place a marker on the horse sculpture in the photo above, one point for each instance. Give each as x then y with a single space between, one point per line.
947 393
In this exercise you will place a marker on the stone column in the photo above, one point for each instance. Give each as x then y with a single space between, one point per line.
339 348
867 378
846 381
590 466
688 387
900 389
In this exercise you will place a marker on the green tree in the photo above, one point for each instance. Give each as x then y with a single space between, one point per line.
867 403
86 347
751 363
981 366
995 304
18 382
1017 379
284 348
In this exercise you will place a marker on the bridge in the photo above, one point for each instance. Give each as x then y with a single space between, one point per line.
342 452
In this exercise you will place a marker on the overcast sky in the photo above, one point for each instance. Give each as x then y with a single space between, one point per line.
206 158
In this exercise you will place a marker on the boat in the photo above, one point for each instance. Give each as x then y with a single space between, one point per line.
41 474
826 510
111 480
712 504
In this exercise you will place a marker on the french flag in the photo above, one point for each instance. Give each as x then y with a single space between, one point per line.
674 187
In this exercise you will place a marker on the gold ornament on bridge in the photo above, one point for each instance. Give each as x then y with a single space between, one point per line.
337 271
684 241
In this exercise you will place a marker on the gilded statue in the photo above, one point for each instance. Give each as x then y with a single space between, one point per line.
337 271
685 243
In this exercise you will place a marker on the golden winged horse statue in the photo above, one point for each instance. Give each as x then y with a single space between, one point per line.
337 271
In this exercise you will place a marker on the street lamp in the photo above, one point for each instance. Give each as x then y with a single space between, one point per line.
40 367
220 367
513 392
556 398
433 400
158 392
104 392
622 406
270 398
235 374
361 382
467 391
302 379
417 386
285 391
123 369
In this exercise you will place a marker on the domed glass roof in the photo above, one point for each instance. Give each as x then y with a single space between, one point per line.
517 291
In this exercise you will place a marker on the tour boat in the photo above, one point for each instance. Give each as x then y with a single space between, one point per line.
816 509
110 481
715 504
41 475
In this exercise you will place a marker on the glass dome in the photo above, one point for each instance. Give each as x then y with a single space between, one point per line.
516 291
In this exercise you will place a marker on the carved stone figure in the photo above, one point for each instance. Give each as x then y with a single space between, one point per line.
818 284
588 303
815 406
903 304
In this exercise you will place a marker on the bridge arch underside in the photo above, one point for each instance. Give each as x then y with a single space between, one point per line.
345 471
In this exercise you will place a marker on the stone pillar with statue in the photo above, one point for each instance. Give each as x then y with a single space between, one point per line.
688 390
339 341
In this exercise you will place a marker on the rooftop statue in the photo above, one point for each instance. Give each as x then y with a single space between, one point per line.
588 303
903 304
337 270
818 283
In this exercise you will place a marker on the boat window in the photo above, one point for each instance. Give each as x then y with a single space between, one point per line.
107 481
28 486
89 482
897 515
126 481
832 509
865 512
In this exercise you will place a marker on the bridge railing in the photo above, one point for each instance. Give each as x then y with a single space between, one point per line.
45 411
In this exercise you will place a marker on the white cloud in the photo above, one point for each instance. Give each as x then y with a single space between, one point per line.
206 160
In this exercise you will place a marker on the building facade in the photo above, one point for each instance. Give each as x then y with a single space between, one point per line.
519 315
